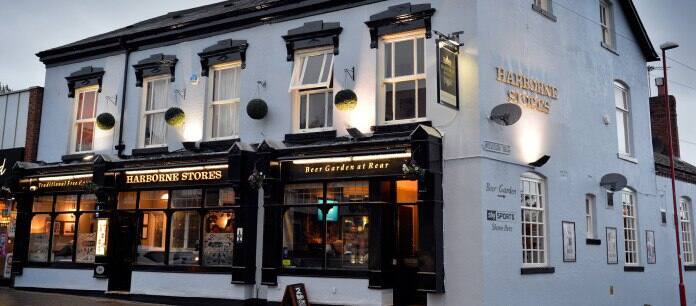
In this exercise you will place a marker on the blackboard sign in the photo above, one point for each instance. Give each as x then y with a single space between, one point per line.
448 74
295 295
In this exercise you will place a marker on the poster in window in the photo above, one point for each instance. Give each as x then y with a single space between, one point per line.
86 247
38 247
448 74
218 248
68 228
569 254
650 245
8 266
612 253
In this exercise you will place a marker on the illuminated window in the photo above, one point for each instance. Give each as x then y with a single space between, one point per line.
534 243
218 238
630 227
39 237
224 104
623 119
127 200
86 238
687 231
155 100
590 215
606 20
153 231
85 116
403 78
312 88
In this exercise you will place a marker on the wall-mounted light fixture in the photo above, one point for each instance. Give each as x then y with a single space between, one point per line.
540 162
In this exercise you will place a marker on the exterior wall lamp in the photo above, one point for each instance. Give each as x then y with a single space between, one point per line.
540 162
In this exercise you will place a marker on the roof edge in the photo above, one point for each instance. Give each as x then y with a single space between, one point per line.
638 29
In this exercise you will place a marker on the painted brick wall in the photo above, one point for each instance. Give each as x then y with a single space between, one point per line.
659 123
33 123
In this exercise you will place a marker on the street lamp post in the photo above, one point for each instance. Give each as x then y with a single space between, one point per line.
682 291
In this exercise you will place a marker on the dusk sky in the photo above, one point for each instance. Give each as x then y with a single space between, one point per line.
29 26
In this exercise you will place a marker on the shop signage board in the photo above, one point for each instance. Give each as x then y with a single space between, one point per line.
8 158
527 92
295 295
181 176
348 167
76 182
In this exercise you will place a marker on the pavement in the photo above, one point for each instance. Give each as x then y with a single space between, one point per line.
12 297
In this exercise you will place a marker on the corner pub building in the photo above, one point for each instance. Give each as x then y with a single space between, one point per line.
222 153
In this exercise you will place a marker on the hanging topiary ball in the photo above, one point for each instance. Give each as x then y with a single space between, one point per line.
106 121
175 116
257 109
346 100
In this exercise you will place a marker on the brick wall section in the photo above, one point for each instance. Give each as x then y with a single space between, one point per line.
31 145
658 122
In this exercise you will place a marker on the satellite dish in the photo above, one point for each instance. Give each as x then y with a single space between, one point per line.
506 114
613 182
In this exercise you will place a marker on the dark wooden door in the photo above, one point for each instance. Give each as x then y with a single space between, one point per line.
406 259
123 238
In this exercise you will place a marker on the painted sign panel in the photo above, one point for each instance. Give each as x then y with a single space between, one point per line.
184 175
8 158
343 168
448 74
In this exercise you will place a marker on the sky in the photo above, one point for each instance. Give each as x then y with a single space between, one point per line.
30 26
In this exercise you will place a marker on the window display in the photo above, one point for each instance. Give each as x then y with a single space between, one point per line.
184 244
218 238
38 238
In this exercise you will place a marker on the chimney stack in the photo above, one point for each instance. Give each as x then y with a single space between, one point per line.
658 120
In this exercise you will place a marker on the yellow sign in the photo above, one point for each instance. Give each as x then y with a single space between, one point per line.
533 93
204 175
64 183
346 167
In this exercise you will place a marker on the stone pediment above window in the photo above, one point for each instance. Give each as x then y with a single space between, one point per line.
86 76
312 34
400 18
223 51
157 64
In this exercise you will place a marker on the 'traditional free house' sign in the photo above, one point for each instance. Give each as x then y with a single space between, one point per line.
528 92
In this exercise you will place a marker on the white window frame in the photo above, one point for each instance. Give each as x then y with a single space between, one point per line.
631 234
687 230
328 92
541 3
625 111
144 113
606 21
212 103
383 81
534 179
75 121
298 72
590 215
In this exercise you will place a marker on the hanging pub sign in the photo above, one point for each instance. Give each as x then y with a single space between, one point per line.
77 182
182 175
346 167
448 73
8 158
295 295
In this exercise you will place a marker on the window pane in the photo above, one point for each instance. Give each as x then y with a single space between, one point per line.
85 136
225 119
187 198
220 197
304 194
88 202
63 235
405 100
347 238
38 238
387 60
621 131
327 67
403 58
43 204
152 234
313 69
226 84
420 54
303 111
155 129
80 103
421 98
126 200
406 191
86 238
302 238
329 108
88 105
158 94
317 110
66 202
185 238
154 199
218 238
389 102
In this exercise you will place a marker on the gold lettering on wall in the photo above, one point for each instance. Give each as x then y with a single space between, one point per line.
533 94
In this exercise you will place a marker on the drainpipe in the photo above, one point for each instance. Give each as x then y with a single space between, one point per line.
122 146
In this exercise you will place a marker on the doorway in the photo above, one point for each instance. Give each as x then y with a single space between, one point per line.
406 248
122 238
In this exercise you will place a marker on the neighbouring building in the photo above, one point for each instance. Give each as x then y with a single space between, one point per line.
19 139
438 152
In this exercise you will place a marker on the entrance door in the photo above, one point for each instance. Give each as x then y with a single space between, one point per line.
122 254
406 249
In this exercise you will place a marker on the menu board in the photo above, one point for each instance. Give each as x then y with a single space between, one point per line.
86 247
218 248
295 295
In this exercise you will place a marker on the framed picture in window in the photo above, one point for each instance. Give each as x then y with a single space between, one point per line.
447 74
68 228
650 245
612 253
56 227
569 254
146 221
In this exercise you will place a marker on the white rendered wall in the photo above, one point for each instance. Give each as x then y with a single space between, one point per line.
73 279
189 285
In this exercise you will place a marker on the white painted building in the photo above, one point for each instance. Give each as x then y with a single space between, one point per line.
485 227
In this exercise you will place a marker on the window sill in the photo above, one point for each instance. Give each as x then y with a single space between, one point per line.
609 48
182 269
60 265
218 144
310 137
76 156
544 13
150 151
537 270
399 127
634 269
627 158
324 273
592 241
689 267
